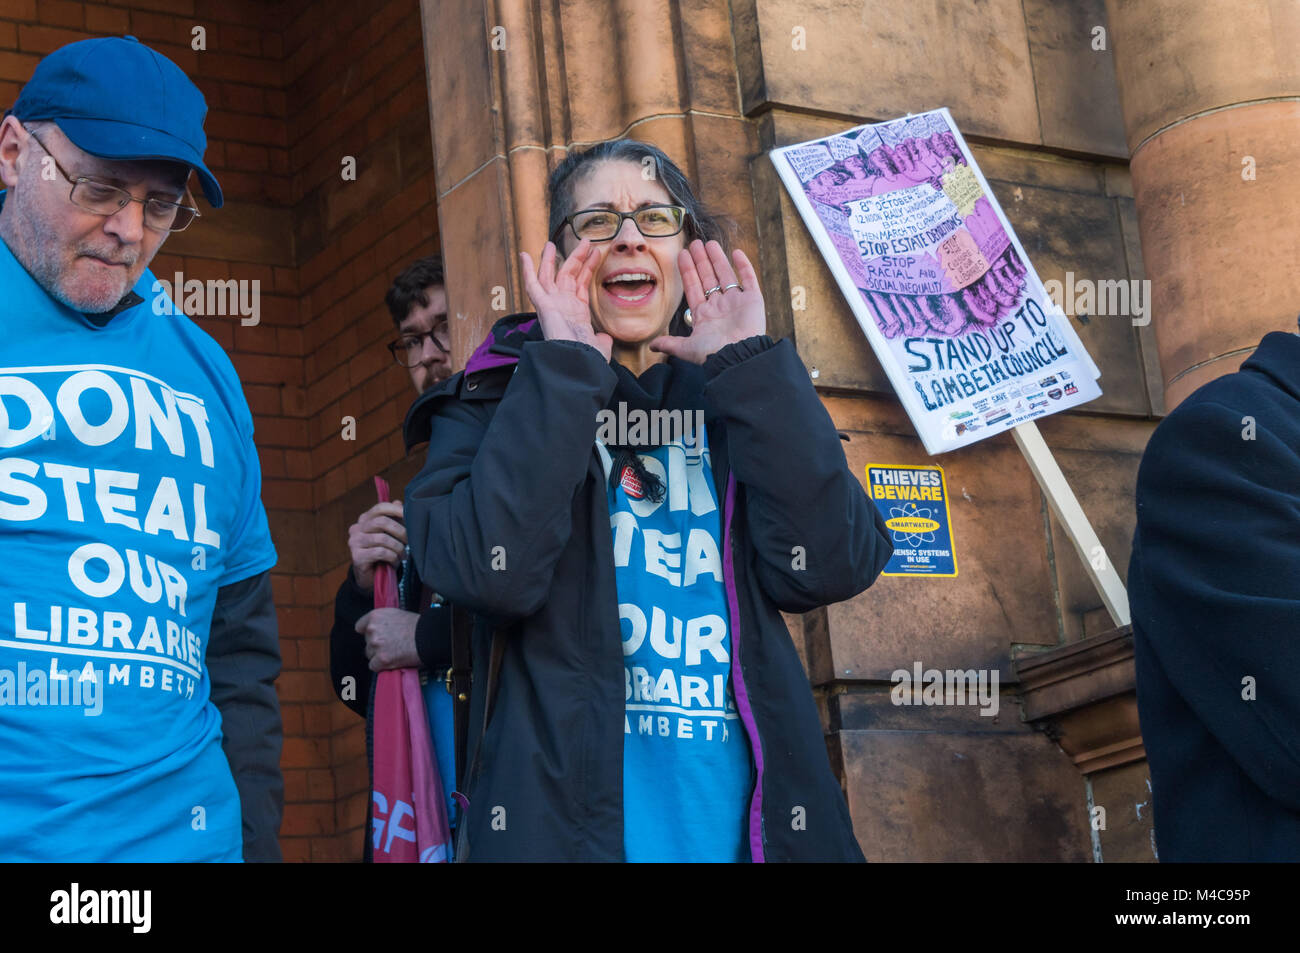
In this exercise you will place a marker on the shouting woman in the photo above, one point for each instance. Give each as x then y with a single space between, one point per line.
626 489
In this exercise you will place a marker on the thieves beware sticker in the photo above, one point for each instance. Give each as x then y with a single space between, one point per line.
914 503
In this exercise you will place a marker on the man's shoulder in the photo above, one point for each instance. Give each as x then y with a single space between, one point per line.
158 314
1270 375
1235 405
1236 430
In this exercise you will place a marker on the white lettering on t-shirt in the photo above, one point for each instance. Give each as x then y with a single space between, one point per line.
38 407
658 641
701 557
632 613
89 391
115 507
661 557
705 634
69 402
623 524
165 512
72 477
33 496
149 415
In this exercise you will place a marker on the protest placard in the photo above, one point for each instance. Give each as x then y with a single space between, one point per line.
937 278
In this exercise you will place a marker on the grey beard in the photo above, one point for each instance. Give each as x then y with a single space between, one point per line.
44 270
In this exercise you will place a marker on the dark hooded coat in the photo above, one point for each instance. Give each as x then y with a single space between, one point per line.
1214 585
509 514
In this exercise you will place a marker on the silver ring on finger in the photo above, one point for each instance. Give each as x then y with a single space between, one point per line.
711 290
734 284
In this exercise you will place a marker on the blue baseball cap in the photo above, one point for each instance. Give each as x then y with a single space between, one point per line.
116 98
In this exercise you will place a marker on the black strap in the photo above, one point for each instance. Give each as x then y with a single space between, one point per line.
458 683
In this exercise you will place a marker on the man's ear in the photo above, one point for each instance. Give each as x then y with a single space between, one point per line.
11 143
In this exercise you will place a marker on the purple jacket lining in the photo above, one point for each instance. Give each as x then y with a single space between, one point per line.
738 681
482 359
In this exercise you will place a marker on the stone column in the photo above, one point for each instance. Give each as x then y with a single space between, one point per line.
1211 112
513 85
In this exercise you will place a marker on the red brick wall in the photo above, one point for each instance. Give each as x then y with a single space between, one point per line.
292 88
357 90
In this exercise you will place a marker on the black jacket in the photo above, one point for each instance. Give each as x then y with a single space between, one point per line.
348 656
243 661
509 514
1214 585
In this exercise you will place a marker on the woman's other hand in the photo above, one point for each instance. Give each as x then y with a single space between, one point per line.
562 297
722 318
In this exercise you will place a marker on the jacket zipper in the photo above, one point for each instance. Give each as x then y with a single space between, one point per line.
756 852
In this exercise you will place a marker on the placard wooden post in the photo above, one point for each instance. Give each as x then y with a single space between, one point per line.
1071 516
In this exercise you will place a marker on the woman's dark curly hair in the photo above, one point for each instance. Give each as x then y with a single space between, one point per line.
700 222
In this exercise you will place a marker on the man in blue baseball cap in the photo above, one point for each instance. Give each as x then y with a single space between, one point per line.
138 642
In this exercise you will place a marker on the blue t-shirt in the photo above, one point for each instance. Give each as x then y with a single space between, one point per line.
686 760
440 712
130 492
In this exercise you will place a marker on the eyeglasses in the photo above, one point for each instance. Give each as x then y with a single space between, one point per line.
601 224
408 350
101 199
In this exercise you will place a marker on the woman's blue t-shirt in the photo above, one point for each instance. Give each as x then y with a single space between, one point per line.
686 759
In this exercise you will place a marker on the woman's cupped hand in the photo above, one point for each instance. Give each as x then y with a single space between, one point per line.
562 296
722 317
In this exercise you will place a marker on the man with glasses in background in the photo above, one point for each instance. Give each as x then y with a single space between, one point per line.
365 640
138 640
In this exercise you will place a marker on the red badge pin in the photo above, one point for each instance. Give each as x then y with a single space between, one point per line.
630 484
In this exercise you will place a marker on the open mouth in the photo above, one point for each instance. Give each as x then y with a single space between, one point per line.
630 287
